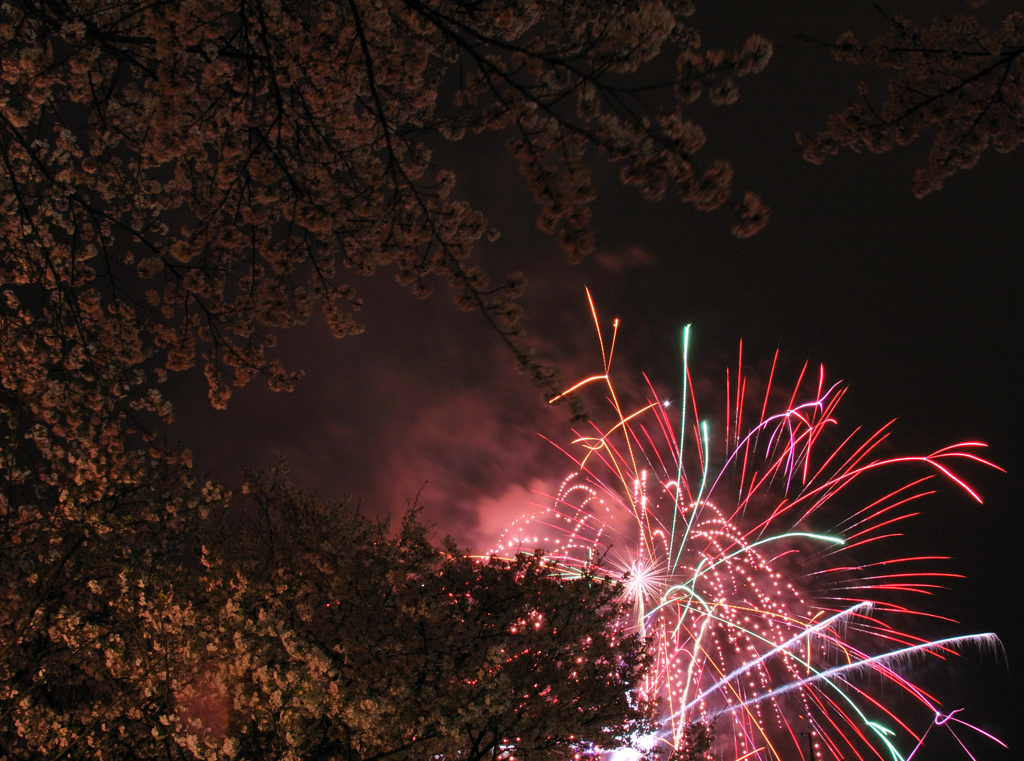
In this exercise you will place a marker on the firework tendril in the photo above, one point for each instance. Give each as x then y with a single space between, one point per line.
774 630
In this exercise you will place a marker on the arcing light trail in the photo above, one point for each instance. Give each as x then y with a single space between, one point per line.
760 622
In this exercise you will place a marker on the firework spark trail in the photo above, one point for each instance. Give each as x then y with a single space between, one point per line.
872 662
861 607
757 619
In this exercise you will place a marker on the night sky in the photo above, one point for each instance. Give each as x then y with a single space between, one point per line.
914 304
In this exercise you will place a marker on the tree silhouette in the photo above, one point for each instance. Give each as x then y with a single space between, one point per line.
698 738
308 630
371 645
206 172
955 78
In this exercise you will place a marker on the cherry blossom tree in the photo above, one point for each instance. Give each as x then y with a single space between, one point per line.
95 610
202 172
92 511
334 638
309 631
955 80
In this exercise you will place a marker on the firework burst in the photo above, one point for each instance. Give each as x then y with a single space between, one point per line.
772 629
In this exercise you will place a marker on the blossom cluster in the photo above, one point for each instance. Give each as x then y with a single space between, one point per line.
956 79
204 172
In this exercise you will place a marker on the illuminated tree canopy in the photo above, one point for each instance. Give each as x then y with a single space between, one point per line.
307 631
417 652
205 172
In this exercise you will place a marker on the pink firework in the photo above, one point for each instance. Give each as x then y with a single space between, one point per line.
792 639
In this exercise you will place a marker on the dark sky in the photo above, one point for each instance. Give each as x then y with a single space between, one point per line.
915 304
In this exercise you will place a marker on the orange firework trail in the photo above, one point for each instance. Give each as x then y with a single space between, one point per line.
760 622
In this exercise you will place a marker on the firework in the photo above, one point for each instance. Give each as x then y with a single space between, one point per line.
772 629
